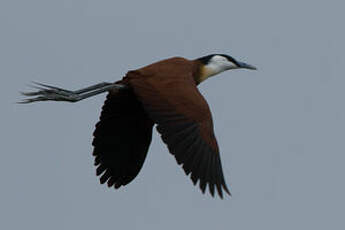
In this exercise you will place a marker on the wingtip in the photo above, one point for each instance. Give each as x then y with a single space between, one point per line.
211 188
221 194
219 190
202 186
225 187
228 192
117 185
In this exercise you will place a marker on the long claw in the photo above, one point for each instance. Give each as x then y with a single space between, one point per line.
30 93
49 90
30 100
50 87
49 93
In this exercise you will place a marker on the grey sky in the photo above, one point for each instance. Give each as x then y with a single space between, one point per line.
281 129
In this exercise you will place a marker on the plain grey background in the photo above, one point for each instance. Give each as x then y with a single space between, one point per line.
280 129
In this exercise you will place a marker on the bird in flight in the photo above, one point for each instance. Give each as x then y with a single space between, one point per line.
164 94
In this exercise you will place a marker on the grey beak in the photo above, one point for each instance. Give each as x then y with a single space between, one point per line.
243 65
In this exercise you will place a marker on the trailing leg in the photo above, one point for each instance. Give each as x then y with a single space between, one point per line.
52 93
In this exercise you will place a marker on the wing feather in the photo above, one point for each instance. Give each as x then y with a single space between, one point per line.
121 139
183 118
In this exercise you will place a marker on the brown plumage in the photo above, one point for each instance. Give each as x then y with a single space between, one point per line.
164 93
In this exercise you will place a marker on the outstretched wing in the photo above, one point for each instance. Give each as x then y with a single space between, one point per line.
185 123
121 138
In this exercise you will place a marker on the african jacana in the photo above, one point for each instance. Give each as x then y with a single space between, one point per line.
164 93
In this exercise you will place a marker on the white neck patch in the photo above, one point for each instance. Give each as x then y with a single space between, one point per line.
218 64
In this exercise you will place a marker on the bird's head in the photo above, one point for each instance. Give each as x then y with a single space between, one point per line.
216 63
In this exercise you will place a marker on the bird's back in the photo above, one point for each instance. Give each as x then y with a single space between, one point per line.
172 68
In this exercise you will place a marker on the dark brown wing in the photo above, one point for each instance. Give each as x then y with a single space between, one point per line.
121 138
184 121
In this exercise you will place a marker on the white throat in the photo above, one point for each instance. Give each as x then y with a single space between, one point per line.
216 65
213 69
